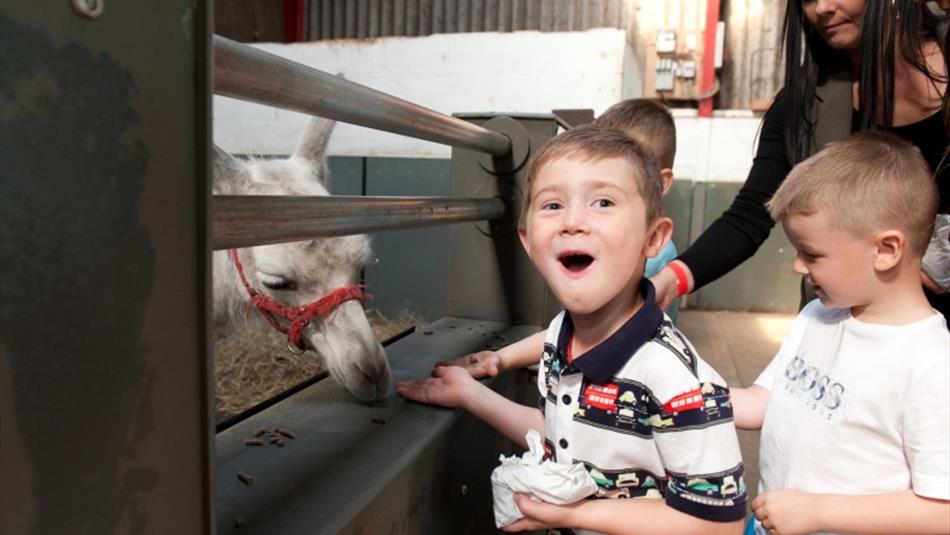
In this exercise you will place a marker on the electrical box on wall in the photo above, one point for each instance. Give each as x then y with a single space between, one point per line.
665 70
666 41
672 65
686 69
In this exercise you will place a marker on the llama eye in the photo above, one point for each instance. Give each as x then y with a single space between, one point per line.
282 285
272 282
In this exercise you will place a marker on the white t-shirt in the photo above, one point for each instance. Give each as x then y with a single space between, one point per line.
858 408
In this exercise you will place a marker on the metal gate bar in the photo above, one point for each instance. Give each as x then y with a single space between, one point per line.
247 73
247 220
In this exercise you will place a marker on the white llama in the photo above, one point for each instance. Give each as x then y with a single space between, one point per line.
299 274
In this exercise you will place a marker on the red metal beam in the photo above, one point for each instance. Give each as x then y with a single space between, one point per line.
709 57
293 20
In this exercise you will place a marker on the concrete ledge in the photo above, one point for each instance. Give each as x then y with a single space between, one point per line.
424 470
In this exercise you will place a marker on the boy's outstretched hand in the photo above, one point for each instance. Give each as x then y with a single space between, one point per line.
786 512
478 365
449 386
542 515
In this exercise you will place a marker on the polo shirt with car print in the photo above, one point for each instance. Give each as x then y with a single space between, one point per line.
645 414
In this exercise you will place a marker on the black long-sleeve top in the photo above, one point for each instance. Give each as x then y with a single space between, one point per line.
740 230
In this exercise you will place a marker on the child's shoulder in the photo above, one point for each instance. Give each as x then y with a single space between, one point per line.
923 342
669 358
669 345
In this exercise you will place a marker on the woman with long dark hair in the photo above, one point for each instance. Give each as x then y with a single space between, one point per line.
850 65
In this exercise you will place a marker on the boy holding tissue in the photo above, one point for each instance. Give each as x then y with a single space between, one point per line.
622 391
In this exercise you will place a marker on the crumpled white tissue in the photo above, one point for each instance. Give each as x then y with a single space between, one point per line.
531 474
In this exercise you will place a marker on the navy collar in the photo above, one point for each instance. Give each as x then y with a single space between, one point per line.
602 363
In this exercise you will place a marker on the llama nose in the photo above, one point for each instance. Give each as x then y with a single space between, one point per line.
381 374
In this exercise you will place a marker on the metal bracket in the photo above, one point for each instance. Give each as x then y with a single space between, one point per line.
520 147
89 8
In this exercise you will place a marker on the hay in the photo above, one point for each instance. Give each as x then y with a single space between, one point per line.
253 364
386 328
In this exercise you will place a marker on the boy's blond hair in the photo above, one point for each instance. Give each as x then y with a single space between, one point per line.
594 143
647 121
869 182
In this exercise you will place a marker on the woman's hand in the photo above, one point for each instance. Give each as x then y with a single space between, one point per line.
667 284
478 365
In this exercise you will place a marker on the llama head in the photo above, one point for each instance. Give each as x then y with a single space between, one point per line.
296 274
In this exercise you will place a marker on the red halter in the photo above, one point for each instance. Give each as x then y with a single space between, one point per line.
298 317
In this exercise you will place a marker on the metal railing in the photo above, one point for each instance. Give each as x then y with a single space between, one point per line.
247 73
243 221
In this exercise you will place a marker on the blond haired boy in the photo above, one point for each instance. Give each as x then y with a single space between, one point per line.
622 391
651 124
855 406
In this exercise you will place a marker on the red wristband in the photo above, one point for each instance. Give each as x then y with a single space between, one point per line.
682 283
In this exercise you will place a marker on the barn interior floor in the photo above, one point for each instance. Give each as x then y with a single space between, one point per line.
738 345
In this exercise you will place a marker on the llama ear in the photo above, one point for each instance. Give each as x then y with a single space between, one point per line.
313 145
225 169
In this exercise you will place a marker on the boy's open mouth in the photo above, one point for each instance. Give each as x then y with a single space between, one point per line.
575 262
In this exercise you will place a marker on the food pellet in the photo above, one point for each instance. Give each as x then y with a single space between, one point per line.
245 478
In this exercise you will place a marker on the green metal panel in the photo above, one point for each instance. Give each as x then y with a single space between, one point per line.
678 206
765 282
489 274
104 371
346 175
410 269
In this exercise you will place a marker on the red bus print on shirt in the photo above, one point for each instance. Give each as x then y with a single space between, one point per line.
684 402
603 397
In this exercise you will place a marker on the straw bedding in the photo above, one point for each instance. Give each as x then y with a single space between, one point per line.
253 364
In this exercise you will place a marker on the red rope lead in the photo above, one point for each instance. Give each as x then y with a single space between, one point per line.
300 316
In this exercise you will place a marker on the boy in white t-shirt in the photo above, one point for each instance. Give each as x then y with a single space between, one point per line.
855 407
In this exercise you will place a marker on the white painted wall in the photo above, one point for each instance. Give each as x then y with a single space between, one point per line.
526 72
715 150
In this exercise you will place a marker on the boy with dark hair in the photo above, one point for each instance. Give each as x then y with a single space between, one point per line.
855 406
622 391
